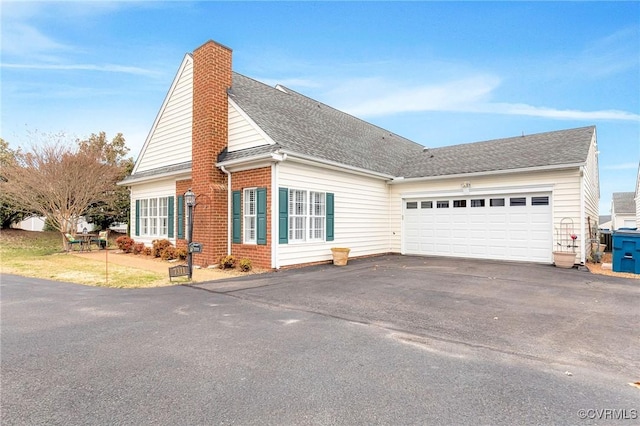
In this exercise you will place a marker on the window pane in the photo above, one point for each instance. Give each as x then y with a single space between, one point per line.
496 202
539 201
459 203
249 215
442 204
412 205
477 203
426 204
518 201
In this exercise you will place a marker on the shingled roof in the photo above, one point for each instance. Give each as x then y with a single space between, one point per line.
305 126
623 203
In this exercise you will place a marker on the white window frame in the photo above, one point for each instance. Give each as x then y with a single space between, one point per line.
307 215
250 215
154 217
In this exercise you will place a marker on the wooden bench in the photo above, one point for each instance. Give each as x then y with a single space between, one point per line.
178 271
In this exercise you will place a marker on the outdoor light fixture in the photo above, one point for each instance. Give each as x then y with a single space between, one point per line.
190 198
190 201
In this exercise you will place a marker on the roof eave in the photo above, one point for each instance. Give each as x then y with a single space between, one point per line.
400 180
178 174
303 158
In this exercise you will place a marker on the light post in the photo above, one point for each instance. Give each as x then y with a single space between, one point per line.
190 200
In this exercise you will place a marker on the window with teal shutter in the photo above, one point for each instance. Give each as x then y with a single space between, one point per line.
283 215
170 216
180 216
329 203
236 225
137 218
261 209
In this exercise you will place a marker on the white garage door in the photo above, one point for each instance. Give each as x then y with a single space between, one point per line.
502 227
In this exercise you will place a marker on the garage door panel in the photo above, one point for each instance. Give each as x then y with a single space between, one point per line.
522 232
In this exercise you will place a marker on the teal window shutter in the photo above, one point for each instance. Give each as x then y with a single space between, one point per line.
180 216
137 218
330 229
261 216
283 215
170 217
236 205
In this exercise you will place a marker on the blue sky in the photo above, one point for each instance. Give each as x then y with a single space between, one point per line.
438 73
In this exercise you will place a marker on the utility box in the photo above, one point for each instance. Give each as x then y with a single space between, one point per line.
626 251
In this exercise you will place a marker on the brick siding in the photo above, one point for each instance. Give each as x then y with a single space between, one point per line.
260 255
211 79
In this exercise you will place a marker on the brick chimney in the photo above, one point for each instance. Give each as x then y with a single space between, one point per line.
211 79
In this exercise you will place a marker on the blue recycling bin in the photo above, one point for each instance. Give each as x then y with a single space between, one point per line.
626 251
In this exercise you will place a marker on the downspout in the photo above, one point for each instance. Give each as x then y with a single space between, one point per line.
275 220
583 219
229 203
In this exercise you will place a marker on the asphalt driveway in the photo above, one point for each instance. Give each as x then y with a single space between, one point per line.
536 311
387 340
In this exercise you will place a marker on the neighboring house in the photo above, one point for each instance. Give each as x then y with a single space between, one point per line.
32 223
604 222
623 210
35 223
282 178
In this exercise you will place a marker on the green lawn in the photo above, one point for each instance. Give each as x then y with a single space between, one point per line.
41 255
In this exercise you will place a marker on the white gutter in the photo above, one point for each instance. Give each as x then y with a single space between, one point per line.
266 156
398 180
152 178
229 207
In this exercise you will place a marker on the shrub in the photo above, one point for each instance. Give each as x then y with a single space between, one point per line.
147 251
159 246
169 253
181 253
244 265
138 248
228 262
125 243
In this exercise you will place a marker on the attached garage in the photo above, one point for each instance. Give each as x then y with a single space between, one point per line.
517 226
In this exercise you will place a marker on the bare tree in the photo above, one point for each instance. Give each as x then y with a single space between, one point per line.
59 180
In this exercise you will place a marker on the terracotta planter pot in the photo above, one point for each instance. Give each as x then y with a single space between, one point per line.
564 259
340 256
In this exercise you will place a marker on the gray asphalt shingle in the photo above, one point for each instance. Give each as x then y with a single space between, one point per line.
305 126
623 203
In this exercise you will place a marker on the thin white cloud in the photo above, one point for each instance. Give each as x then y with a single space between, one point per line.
373 97
21 40
83 67
364 98
622 166
561 114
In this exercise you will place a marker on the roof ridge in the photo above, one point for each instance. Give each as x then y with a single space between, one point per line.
491 141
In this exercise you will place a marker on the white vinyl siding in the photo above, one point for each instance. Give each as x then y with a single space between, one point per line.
243 132
169 141
361 220
159 191
591 189
564 184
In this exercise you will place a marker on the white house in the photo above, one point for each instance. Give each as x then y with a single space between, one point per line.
623 210
281 178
